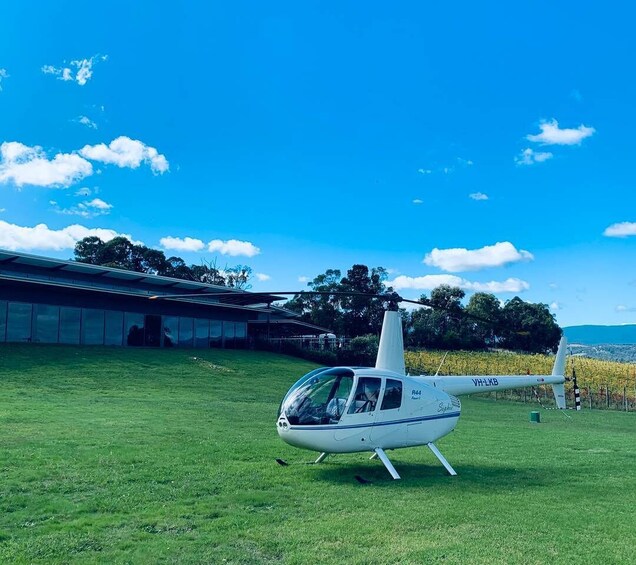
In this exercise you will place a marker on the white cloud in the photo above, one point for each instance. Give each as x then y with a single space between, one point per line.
529 157
40 237
478 196
30 165
86 121
418 201
262 277
80 70
303 279
86 209
83 192
458 260
424 171
623 308
126 152
99 204
3 210
178 244
233 247
555 306
551 134
621 229
3 74
429 282
465 162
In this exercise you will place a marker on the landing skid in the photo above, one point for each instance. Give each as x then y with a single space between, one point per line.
387 463
441 458
391 469
321 458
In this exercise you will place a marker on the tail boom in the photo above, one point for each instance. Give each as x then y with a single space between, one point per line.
487 383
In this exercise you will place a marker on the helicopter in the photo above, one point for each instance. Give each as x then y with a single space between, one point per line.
375 409
333 410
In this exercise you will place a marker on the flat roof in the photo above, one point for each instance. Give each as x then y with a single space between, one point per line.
203 292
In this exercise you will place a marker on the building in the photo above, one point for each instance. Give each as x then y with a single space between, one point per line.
45 300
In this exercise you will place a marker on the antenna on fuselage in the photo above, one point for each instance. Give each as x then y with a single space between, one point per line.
440 365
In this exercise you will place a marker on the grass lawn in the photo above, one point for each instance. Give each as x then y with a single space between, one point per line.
168 456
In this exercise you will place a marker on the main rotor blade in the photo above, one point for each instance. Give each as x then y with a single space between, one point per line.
388 297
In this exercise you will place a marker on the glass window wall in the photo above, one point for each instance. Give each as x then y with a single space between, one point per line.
216 333
70 325
201 332
3 320
46 321
19 321
240 335
228 335
134 328
170 331
185 332
114 328
92 326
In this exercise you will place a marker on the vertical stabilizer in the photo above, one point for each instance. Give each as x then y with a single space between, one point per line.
559 371
391 349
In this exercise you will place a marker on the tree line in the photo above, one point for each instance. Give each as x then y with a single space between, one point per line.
446 324
121 253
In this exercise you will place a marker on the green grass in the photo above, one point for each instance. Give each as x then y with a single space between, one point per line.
149 456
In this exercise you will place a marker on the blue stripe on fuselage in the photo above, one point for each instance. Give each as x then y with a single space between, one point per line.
374 424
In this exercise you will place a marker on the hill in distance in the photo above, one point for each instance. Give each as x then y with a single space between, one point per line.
610 343
596 335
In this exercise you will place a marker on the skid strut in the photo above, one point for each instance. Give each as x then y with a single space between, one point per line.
441 458
387 463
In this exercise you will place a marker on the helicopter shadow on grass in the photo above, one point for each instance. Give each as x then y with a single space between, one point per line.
475 478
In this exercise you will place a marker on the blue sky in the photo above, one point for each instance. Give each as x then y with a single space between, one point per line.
481 144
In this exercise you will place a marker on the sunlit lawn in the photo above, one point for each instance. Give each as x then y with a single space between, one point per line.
122 455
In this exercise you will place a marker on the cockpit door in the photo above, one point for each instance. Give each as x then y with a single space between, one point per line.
355 425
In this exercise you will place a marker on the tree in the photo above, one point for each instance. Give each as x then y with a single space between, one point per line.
529 327
121 253
88 250
486 323
364 315
321 310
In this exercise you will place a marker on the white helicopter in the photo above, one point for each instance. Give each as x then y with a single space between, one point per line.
354 409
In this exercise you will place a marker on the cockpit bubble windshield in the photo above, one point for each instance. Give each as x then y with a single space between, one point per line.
321 399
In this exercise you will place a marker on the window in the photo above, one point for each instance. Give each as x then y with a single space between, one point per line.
216 333
19 321
392 395
3 320
152 330
240 332
70 325
134 328
366 396
228 335
114 328
92 326
46 323
320 399
201 332
185 332
170 330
